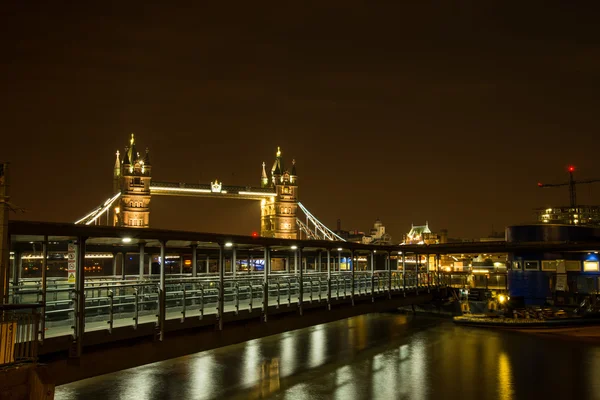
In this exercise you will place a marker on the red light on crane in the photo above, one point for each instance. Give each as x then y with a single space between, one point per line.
571 168
540 184
254 234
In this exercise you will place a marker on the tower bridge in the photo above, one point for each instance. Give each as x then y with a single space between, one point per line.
133 188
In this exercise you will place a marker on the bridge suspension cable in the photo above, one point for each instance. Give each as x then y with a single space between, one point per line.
315 229
98 211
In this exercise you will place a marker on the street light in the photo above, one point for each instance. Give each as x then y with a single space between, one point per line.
228 244
126 240
294 247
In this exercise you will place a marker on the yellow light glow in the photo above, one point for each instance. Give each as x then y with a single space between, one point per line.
501 299
590 266
278 152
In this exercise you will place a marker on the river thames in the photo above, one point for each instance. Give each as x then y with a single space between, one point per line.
377 356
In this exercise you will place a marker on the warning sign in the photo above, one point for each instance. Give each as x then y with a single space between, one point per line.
71 262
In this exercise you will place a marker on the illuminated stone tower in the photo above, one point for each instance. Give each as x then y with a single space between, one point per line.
132 179
278 214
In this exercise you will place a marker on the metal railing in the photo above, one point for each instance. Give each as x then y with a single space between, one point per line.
19 332
110 302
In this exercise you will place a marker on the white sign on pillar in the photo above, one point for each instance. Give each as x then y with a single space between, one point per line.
72 261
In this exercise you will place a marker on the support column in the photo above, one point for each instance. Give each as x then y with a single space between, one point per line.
373 275
439 274
4 235
79 299
114 264
352 277
287 264
194 260
388 267
295 262
417 265
17 267
141 260
44 288
149 264
123 254
427 272
207 263
234 262
319 261
221 302
162 295
301 283
329 278
404 272
180 264
267 257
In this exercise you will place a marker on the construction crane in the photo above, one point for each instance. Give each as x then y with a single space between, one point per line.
571 183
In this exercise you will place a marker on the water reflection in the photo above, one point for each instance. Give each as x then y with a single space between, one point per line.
288 354
504 377
379 356
202 376
317 346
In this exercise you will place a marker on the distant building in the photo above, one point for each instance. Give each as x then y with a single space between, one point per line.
580 215
377 235
494 237
421 234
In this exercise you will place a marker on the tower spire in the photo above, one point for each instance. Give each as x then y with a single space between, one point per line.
132 153
277 169
118 164
147 157
264 179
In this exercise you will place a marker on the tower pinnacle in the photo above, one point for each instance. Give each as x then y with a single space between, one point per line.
264 179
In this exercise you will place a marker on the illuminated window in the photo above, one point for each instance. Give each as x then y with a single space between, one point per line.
572 265
590 266
548 265
531 265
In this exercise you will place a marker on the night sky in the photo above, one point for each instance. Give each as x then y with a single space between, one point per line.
406 112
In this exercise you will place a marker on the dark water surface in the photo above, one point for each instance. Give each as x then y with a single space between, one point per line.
378 356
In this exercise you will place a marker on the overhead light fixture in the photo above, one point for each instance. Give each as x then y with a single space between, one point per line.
126 240
228 244
339 249
294 247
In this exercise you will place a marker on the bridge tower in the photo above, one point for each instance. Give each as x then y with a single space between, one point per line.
278 214
132 178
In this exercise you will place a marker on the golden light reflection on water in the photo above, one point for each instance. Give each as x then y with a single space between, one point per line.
202 379
288 354
139 386
269 379
251 361
505 390
317 346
